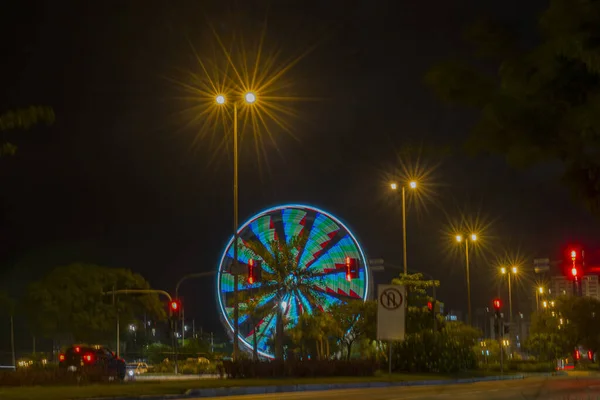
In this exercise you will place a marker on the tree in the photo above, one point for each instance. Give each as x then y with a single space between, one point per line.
418 317
70 302
7 308
542 103
354 321
254 310
282 276
23 118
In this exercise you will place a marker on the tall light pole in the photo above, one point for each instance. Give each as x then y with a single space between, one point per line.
508 273
247 98
538 293
459 239
394 186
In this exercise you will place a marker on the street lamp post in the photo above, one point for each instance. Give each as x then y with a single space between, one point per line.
248 98
459 239
538 294
394 186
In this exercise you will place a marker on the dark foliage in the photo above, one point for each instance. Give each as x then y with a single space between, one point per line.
52 376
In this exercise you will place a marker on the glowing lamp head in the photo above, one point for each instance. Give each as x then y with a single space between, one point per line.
574 272
459 238
250 98
503 270
413 184
573 254
174 305
220 99
394 186
473 237
514 270
541 290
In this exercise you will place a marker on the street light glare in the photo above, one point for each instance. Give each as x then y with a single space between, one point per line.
541 289
503 270
473 237
458 238
394 186
220 99
250 97
413 184
514 270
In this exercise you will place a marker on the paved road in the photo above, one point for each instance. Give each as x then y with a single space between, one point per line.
527 389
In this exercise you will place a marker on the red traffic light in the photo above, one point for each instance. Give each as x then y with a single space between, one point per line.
590 355
497 304
351 268
429 305
174 305
574 271
577 355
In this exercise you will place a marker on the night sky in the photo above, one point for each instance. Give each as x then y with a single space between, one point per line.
119 179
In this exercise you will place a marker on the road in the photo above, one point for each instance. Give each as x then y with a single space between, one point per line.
526 389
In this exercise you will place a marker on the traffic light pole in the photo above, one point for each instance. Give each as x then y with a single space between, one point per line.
184 278
132 291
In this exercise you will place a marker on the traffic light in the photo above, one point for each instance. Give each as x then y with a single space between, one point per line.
430 305
497 306
574 263
254 271
174 308
590 355
351 268
577 355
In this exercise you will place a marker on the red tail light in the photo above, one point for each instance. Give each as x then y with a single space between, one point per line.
61 357
77 349
88 358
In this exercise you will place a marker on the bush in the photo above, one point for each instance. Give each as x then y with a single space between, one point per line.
521 366
298 369
429 352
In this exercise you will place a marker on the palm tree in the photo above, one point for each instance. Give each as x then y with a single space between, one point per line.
255 312
283 278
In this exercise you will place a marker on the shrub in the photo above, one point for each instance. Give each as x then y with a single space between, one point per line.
298 369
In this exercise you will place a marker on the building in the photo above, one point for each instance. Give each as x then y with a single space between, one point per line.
561 285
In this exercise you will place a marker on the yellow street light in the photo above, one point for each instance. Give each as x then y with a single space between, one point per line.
413 184
459 239
394 186
545 304
503 270
514 270
541 289
220 99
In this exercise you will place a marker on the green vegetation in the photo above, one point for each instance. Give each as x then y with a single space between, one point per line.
22 118
557 330
70 302
540 104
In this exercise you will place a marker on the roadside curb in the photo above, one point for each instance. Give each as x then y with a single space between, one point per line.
257 390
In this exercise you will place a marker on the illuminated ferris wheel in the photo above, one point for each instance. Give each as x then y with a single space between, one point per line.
330 267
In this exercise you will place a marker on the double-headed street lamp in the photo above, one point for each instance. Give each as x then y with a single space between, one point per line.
513 271
460 239
394 186
248 98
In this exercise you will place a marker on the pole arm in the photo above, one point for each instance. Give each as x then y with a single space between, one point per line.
139 291
195 275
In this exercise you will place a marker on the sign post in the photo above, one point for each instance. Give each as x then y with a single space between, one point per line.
391 315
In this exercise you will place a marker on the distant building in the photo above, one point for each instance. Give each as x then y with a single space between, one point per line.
561 286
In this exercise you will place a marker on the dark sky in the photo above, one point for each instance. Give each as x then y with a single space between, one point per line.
118 180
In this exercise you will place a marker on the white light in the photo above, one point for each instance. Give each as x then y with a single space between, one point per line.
220 99
283 305
250 97
130 372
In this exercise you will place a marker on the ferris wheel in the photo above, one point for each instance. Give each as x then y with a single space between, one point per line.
329 268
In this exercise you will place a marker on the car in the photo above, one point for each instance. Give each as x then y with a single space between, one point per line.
96 361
